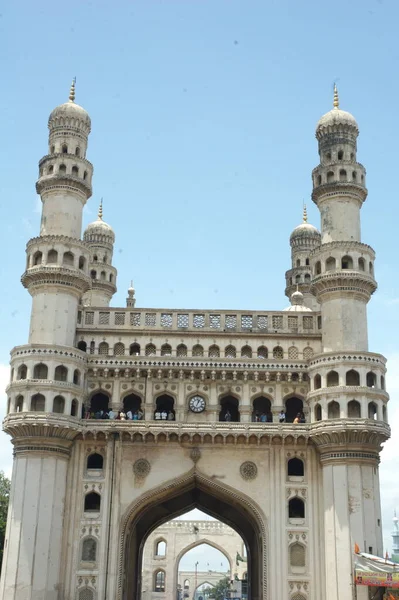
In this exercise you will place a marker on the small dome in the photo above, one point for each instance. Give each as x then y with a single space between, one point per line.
297 303
336 117
99 227
305 229
70 110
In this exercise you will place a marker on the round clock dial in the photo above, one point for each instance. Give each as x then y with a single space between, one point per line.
197 404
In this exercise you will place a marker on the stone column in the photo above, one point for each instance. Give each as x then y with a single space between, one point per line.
33 544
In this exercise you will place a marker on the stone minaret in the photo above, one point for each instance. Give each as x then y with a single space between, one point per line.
100 238
48 374
395 539
347 382
303 240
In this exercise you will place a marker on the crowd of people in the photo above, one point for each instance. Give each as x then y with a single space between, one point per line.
119 415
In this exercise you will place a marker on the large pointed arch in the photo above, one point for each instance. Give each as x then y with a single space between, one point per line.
177 496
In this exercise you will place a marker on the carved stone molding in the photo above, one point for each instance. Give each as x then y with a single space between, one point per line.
248 470
141 468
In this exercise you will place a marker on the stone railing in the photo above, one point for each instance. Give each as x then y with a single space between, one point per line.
198 321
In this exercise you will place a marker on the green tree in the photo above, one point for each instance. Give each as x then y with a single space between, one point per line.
4 497
219 590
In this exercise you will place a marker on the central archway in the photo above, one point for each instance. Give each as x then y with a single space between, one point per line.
177 497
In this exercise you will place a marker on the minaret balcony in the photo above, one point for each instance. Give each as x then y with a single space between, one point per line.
334 188
43 275
344 282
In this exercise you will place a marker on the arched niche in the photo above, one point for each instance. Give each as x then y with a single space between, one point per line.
175 498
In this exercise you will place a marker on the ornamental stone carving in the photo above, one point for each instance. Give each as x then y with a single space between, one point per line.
141 468
195 455
248 470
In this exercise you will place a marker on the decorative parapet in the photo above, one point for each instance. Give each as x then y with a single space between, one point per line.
45 275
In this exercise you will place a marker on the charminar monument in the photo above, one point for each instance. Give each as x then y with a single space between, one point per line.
122 419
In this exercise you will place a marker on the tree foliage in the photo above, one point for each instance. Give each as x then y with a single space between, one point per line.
4 497
219 590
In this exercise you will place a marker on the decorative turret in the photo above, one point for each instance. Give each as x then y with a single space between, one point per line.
100 238
131 300
298 303
303 240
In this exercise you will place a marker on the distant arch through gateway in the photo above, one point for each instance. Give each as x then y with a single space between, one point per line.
176 497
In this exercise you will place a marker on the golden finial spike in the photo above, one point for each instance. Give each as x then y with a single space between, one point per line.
100 210
305 214
336 97
72 90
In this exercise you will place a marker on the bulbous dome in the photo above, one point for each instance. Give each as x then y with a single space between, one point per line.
336 118
305 229
64 113
98 228
297 303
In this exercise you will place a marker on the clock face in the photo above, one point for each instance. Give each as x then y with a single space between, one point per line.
197 404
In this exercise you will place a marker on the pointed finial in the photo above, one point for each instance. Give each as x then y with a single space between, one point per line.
100 210
72 90
305 214
336 97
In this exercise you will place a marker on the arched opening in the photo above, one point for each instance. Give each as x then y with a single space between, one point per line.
22 372
331 264
19 403
99 405
317 412
89 550
172 499
307 277
340 154
354 176
214 566
214 351
40 371
317 268
50 170
278 352
61 373
38 403
342 175
352 377
160 548
85 175
262 352
298 262
62 169
229 409
371 268
181 350
293 408
92 502
77 151
134 349
103 348
361 264
132 407
74 408
103 276
166 350
93 274
119 349
384 413
159 581
37 258
82 263
317 382
261 412
372 411
354 411
246 352
346 262
75 171
76 377
333 410
296 508
332 378
64 149
297 558
52 257
82 345
165 408
230 352
95 461
59 405
330 176
382 382
68 259
295 467
371 379
150 350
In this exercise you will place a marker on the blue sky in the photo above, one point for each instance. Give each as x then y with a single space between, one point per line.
203 144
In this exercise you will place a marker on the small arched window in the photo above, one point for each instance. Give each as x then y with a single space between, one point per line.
362 265
68 259
214 351
340 154
230 352
61 373
371 268
95 461
92 502
74 408
19 403
22 372
354 410
134 349
159 581
52 257
317 382
331 263
59 405
319 180
75 170
160 548
333 410
89 550
77 151
198 350
352 377
298 262
371 379
354 175
85 175
95 258
150 350
82 346
50 169
93 274
103 276
295 467
181 350
332 379
317 412
103 348
297 555
119 349
62 169
40 371
38 403
278 352
330 176
307 262
86 594
37 259
296 508
246 352
82 262
307 277
293 352
166 350
52 149
64 149
372 411
262 352
317 268
346 262
76 377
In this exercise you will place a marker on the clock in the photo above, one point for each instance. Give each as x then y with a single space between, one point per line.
197 404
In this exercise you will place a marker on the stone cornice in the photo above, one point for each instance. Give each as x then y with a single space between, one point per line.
56 155
356 283
326 191
351 245
45 384
349 390
330 358
45 350
42 275
350 435
64 182
55 239
336 163
168 362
